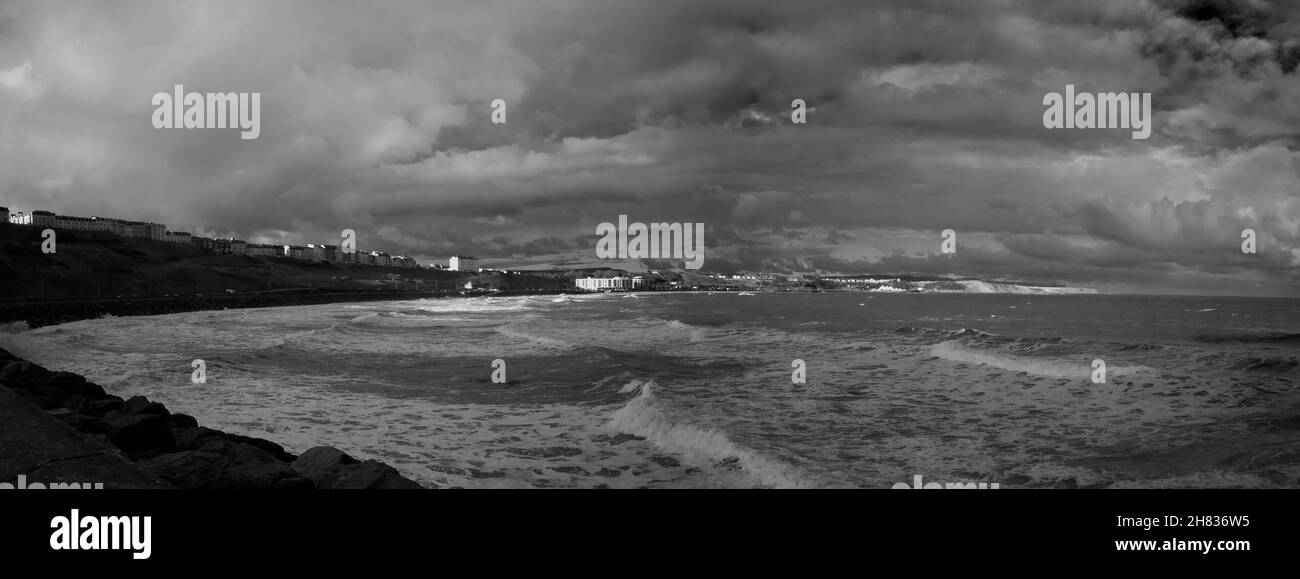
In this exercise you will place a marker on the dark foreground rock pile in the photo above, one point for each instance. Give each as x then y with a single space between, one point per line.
176 449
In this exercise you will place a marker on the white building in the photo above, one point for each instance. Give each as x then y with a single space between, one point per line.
619 283
462 263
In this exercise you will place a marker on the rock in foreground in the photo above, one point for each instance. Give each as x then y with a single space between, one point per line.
330 468
176 449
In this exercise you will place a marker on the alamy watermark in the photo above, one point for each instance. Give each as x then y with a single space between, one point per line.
637 240
75 532
181 110
1107 110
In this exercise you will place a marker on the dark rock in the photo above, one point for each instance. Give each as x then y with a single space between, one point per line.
82 405
20 370
142 405
372 474
87 424
139 432
211 471
187 438
146 454
55 386
61 384
331 468
28 395
276 450
44 402
176 449
246 454
105 405
321 458
190 469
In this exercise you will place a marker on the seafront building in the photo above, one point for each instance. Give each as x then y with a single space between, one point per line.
331 253
462 263
617 283
264 250
44 218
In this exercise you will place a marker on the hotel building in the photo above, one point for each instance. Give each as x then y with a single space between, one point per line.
462 263
619 283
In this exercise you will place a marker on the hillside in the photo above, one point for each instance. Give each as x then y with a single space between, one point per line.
94 265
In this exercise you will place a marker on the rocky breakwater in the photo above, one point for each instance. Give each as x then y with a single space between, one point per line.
176 449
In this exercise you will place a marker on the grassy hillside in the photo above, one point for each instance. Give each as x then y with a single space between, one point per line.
102 265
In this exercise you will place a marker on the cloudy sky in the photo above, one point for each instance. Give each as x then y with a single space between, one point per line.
924 115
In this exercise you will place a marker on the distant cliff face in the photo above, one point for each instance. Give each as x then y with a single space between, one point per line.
984 287
971 286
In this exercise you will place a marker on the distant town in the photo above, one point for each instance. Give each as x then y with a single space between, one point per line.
592 280
311 252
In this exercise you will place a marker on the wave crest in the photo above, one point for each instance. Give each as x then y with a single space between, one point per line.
1047 367
642 417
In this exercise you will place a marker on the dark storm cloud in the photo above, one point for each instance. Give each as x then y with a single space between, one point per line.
923 116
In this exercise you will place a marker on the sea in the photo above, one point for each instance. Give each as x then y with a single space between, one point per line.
725 390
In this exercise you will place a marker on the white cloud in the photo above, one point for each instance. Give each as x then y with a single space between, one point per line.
20 81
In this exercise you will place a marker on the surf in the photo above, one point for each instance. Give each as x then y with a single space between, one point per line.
702 446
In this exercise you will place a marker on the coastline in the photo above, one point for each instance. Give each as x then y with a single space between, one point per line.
99 432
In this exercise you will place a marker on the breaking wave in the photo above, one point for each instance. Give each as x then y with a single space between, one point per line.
1046 367
704 446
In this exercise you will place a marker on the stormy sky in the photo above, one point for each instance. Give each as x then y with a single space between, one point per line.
924 115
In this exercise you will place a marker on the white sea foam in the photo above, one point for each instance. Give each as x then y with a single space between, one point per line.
1048 367
702 446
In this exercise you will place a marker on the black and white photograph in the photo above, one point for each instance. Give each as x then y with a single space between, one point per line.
492 246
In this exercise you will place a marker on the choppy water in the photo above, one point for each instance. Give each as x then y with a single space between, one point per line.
695 390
